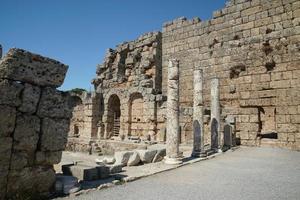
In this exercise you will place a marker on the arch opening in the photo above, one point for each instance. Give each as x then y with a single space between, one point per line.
113 116
136 115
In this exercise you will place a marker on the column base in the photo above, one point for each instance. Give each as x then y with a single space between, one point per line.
172 161
219 151
199 154
216 150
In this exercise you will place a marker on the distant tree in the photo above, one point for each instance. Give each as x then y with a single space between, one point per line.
78 91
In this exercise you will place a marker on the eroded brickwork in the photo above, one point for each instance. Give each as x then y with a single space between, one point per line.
253 48
250 46
34 123
130 80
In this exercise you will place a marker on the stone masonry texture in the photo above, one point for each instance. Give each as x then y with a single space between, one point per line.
34 123
251 46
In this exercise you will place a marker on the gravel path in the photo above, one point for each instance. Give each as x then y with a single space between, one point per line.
248 173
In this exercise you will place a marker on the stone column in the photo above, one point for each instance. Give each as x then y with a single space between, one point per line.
173 155
198 127
215 115
0 51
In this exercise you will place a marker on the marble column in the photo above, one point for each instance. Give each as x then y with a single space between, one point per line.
198 126
173 155
215 115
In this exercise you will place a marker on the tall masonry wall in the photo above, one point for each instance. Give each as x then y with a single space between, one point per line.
34 122
253 48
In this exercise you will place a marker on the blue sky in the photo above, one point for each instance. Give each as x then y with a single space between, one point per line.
78 32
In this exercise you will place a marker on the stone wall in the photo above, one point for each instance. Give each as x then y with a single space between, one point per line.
130 80
86 115
252 46
34 122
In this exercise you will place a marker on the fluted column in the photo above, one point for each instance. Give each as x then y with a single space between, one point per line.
215 115
173 155
198 126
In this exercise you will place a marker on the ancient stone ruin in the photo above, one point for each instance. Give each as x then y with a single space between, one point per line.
234 79
247 60
34 123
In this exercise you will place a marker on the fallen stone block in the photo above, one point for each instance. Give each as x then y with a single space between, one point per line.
159 156
122 157
116 168
105 160
134 159
82 172
66 184
21 65
103 171
146 155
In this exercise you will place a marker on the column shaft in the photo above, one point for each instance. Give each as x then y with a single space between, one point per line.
173 156
198 127
215 114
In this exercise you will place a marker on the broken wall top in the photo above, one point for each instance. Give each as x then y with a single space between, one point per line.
21 65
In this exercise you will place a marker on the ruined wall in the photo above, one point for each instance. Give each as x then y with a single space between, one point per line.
130 79
85 126
252 46
34 122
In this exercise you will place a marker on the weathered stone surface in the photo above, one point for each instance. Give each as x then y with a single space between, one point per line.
3 183
48 157
26 134
82 172
173 113
146 156
31 181
134 159
54 134
21 159
106 160
5 153
28 147
103 171
115 168
21 65
30 98
54 104
66 184
198 125
8 119
159 156
12 91
122 157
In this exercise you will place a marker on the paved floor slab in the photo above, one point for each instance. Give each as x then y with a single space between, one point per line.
248 173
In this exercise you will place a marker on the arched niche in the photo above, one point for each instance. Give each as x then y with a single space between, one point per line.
136 114
113 116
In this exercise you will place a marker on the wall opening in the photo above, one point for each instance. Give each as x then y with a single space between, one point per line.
76 131
136 115
113 116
